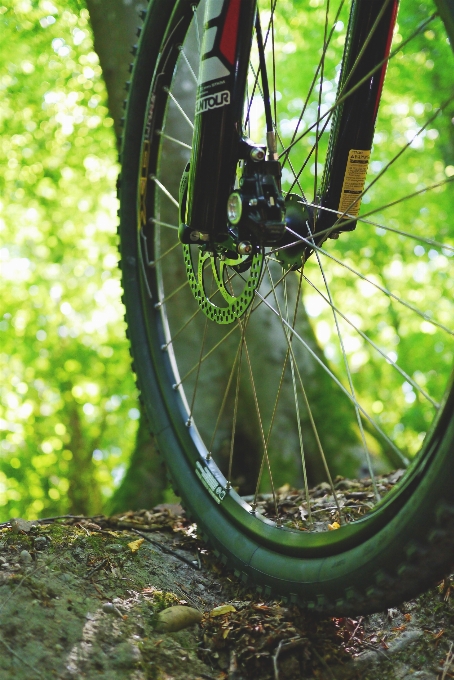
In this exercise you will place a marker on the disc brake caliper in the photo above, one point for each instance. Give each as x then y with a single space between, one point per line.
257 207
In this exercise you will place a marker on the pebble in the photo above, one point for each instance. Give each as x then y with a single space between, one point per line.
18 524
109 608
125 655
66 577
40 543
115 548
177 618
25 557
405 639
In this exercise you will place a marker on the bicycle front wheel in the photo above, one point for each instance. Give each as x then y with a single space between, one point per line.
276 370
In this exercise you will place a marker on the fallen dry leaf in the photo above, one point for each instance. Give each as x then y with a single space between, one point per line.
333 526
222 609
135 545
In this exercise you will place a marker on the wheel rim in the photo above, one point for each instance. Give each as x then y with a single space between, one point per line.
187 363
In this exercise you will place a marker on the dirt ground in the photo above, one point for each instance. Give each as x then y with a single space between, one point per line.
84 598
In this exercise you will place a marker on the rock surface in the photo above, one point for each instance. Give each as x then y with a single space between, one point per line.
78 602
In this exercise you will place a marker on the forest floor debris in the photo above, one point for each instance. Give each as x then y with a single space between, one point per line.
84 598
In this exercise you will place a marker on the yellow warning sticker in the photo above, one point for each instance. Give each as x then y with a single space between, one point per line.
354 181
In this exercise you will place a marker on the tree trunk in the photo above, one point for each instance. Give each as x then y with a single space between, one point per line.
114 24
145 480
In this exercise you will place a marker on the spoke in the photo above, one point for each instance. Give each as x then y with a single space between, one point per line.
262 433
181 329
181 286
227 335
387 292
191 410
314 80
152 263
297 408
375 346
319 104
294 367
179 107
361 218
164 190
256 75
350 381
279 136
395 158
194 9
208 354
345 96
152 220
276 401
353 69
182 52
170 295
173 139
197 311
338 383
224 399
235 408
366 43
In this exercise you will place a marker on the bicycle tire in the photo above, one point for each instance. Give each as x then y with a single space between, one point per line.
390 554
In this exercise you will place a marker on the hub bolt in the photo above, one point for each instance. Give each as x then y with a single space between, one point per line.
244 248
257 154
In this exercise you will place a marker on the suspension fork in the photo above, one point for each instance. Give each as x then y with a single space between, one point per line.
225 53
363 70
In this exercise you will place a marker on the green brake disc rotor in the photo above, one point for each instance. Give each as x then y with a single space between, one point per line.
234 306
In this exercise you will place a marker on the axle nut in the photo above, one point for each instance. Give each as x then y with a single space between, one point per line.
244 248
257 154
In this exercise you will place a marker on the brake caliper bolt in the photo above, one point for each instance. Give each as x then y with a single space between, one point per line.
234 208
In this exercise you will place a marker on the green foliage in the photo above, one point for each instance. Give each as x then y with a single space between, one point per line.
68 411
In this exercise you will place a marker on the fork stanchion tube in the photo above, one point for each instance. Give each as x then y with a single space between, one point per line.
368 44
226 46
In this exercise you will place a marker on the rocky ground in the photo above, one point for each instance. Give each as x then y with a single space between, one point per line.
139 596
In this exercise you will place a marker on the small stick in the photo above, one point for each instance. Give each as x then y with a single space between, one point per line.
448 661
286 644
11 651
165 549
98 566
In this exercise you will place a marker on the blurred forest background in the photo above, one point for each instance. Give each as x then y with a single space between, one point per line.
70 421
69 413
